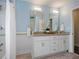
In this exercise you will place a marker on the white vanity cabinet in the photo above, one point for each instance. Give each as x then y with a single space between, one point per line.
40 46
45 45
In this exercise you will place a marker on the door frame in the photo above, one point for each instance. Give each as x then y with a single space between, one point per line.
73 24
71 41
10 31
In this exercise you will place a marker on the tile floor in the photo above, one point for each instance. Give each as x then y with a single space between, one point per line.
24 56
57 56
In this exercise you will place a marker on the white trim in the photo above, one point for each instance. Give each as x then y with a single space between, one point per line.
17 33
72 26
21 33
10 31
71 40
7 30
72 31
22 52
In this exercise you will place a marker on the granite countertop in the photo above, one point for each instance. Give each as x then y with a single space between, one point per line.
45 33
49 33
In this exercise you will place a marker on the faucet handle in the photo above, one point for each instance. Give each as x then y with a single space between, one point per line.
1 27
1 44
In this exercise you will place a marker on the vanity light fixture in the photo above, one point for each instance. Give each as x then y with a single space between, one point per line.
55 11
37 8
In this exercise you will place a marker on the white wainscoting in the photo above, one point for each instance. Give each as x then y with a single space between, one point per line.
23 43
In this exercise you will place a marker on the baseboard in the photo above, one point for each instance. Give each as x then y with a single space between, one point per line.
49 55
20 53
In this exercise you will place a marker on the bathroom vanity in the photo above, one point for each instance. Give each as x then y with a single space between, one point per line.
49 35
44 45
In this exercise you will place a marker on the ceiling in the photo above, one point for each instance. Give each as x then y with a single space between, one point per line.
50 3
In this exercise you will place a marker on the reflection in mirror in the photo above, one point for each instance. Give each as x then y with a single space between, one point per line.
37 20
54 19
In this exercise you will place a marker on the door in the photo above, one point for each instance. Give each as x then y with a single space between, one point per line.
10 30
76 29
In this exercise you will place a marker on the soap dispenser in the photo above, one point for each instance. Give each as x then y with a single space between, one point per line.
62 28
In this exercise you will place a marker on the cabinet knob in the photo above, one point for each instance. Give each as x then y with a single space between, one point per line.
42 44
54 37
64 41
54 49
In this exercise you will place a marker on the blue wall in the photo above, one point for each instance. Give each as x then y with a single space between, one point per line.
22 15
65 18
66 14
23 10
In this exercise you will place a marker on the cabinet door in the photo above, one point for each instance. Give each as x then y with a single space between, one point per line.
41 47
66 43
45 47
37 49
61 44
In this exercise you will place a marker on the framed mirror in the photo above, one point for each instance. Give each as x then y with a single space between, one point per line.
53 20
37 20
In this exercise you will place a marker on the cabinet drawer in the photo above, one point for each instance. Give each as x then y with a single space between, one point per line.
54 37
40 38
54 50
54 42
54 47
41 43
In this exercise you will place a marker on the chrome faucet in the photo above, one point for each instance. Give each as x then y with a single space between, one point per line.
1 27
